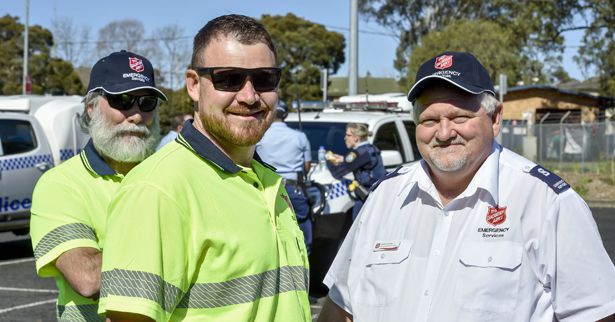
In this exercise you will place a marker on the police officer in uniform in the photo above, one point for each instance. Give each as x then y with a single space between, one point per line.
364 161
288 151
473 232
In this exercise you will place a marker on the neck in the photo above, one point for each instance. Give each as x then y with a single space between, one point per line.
449 185
241 155
120 167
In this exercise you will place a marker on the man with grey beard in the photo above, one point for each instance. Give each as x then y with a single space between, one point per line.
70 201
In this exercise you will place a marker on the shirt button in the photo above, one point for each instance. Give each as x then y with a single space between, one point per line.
382 255
490 259
426 293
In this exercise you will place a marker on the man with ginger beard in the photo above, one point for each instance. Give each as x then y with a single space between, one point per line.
69 204
203 230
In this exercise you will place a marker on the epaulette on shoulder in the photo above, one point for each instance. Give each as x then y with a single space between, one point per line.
389 175
551 179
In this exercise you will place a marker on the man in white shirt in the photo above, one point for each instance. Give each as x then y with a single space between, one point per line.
473 232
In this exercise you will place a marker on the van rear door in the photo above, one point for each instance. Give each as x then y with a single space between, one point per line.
24 156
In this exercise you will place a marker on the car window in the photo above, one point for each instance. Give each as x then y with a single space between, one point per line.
327 134
16 136
387 138
411 131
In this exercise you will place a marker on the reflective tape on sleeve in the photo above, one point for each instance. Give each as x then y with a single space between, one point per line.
62 234
79 313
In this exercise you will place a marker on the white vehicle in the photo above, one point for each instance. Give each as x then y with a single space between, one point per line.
397 101
36 133
392 133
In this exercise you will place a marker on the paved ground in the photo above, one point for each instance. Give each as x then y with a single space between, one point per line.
25 297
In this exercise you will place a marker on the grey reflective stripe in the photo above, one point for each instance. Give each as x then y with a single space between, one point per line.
204 295
246 289
120 282
62 234
79 313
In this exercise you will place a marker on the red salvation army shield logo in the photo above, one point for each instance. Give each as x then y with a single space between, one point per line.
136 64
444 61
496 216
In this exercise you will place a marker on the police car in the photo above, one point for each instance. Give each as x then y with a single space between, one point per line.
36 133
391 132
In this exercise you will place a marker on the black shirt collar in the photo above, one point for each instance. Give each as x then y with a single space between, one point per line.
95 160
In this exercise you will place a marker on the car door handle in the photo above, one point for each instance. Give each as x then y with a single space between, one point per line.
43 166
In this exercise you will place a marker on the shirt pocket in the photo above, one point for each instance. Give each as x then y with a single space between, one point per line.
489 276
383 273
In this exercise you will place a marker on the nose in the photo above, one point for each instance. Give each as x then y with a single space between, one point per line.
247 94
135 115
445 130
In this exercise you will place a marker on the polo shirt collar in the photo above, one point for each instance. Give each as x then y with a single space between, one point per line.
95 160
202 145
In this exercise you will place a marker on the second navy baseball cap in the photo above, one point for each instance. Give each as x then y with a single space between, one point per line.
123 72
460 69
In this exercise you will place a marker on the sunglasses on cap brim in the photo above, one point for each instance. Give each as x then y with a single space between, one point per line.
232 79
124 102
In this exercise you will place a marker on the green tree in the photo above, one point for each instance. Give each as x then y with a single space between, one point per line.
49 75
303 49
535 27
598 47
486 40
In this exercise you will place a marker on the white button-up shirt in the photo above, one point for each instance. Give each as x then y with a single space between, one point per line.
516 245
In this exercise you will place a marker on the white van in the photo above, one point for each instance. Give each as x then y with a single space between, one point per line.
36 133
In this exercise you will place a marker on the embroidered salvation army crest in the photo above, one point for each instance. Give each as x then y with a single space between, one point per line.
136 64
496 216
444 61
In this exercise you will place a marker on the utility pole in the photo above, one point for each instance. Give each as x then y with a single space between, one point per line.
353 67
24 82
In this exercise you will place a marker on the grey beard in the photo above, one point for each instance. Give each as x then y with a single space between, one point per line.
111 140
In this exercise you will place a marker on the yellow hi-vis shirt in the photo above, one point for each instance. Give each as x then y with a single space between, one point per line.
69 210
192 236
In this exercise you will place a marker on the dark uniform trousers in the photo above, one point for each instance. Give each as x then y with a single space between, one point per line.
302 210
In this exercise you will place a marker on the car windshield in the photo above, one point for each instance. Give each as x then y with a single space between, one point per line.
330 135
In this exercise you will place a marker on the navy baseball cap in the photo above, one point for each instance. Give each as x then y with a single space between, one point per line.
123 72
460 69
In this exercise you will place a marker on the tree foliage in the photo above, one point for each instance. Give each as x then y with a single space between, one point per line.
598 48
304 48
49 75
534 27
485 39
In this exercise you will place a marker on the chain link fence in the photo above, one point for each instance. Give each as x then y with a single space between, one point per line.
563 145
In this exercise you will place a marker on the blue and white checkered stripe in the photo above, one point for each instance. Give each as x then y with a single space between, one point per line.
338 189
24 162
66 154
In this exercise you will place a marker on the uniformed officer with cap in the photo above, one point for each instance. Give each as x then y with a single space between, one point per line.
472 232
363 160
69 204
288 151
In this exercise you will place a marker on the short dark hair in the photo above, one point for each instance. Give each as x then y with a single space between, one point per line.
244 29
176 121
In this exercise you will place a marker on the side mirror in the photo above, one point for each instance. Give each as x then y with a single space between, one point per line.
391 158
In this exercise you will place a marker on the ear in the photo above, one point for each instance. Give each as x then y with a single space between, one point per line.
192 84
90 109
496 119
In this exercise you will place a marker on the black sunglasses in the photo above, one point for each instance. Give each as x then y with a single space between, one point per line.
124 102
231 79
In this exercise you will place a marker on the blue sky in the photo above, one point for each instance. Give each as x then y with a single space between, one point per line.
376 50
